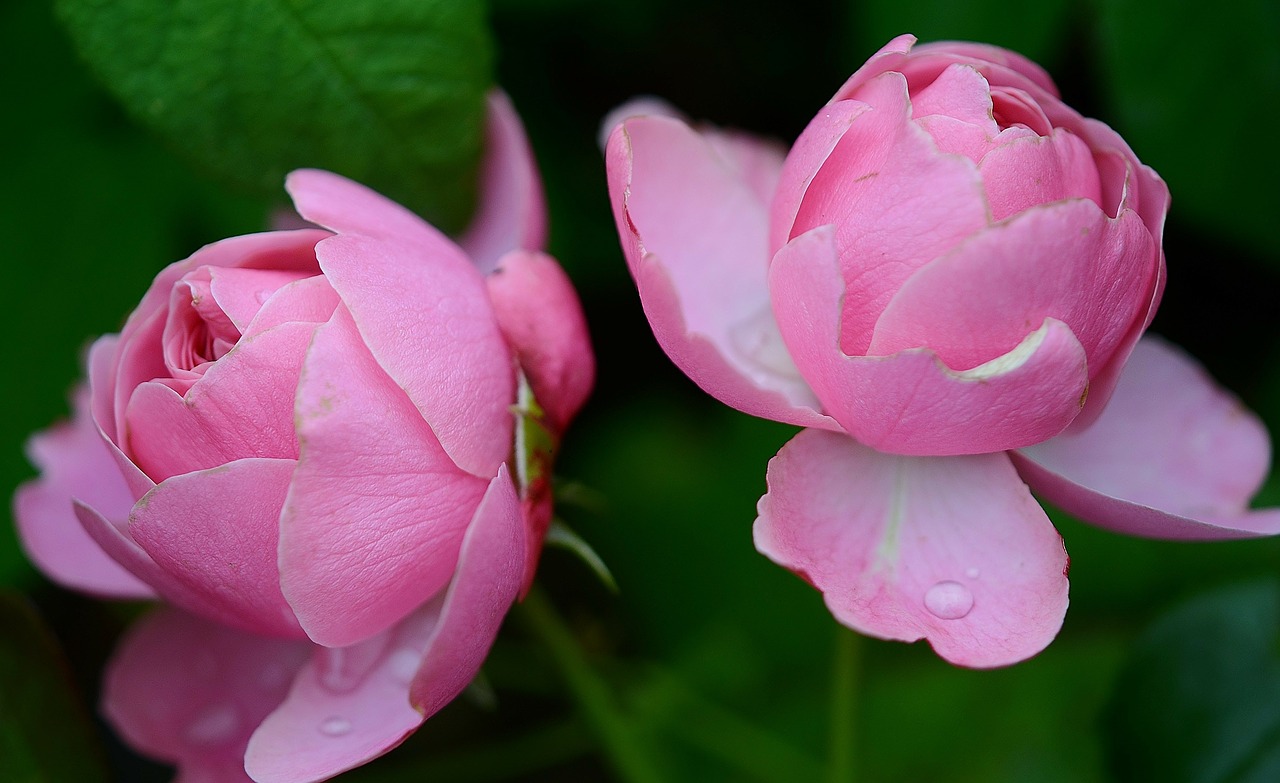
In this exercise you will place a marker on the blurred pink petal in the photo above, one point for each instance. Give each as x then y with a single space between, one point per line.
377 511
910 402
953 550
74 462
190 692
512 214
1172 456
224 550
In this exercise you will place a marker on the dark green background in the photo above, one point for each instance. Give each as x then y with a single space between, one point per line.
720 661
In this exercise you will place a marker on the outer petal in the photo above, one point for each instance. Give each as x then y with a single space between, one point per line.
216 533
351 705
1172 456
694 234
427 320
1066 261
910 402
512 214
953 550
377 510
74 462
191 692
541 318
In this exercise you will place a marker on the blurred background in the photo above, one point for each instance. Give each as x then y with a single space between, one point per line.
718 664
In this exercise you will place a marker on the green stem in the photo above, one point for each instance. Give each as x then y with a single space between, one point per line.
844 707
592 694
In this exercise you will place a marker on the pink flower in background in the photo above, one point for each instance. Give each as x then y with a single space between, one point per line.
302 441
945 280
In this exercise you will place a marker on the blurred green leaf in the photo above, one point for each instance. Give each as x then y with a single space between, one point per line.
390 93
45 735
1034 29
1199 699
1194 88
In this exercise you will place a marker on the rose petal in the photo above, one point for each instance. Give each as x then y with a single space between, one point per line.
953 550
910 402
1067 261
352 704
216 532
1172 456
346 207
242 407
427 319
240 293
377 510
1032 170
489 576
74 461
542 321
694 237
190 692
512 214
888 224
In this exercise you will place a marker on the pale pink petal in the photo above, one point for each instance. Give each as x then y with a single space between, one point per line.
352 704
757 161
74 462
310 300
694 236
427 319
216 533
346 207
490 574
541 318
953 550
511 214
1034 170
888 223
242 407
910 402
640 106
377 510
190 692
240 293
890 57
803 163
1067 261
1172 456
347 705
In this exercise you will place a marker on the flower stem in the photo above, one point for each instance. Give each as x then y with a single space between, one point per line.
844 706
629 759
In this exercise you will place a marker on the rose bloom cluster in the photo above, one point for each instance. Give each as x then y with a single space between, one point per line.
303 441
946 281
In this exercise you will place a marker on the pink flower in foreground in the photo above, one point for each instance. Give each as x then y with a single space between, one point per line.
945 280
302 441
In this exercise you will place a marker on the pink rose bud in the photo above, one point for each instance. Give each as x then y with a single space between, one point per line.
303 442
944 278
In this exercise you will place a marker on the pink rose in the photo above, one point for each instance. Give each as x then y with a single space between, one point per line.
302 441
944 280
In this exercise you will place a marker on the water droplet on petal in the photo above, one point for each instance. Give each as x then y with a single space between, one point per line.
214 726
335 726
262 296
948 600
972 573
403 664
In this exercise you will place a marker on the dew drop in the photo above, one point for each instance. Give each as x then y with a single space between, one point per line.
214 726
335 726
972 573
262 296
948 600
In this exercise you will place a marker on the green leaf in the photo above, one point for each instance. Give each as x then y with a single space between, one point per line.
1194 88
1199 699
390 93
45 735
